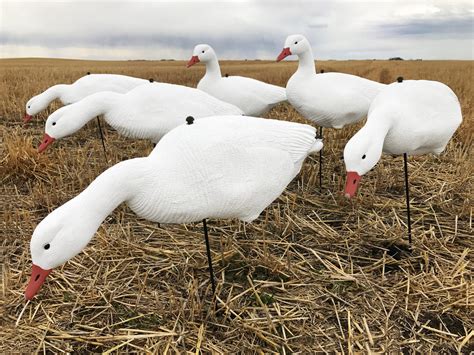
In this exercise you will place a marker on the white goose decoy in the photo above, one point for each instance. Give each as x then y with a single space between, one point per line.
217 167
147 112
82 87
252 96
331 99
407 117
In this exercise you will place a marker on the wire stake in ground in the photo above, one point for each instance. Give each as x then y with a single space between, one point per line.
321 162
209 257
407 192
101 135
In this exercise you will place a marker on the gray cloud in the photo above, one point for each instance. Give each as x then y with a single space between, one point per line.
246 44
236 29
457 27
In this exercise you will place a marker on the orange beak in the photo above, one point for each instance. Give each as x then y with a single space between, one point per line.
194 59
352 181
38 275
27 118
47 140
284 53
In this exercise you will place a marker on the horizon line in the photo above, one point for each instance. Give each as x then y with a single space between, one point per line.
229 60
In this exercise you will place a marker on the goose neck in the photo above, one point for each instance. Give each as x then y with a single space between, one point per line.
98 104
55 92
77 115
113 187
377 124
374 132
306 62
213 69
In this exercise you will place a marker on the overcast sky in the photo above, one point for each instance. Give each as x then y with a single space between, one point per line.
349 29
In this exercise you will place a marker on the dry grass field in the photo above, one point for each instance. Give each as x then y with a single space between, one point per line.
315 273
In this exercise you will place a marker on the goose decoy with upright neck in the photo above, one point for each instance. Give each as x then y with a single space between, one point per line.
253 97
330 100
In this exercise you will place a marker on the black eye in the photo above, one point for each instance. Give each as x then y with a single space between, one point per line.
46 246
29 106
54 124
202 52
363 157
296 42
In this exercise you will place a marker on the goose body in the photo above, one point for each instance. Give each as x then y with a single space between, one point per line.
82 87
252 96
217 167
414 117
146 112
330 99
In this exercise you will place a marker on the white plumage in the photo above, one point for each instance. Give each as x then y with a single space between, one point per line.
146 112
82 87
329 99
217 167
252 96
413 117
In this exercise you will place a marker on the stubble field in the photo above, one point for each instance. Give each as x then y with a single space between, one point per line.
315 272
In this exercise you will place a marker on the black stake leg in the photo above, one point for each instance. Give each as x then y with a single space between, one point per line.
321 162
209 258
407 191
101 135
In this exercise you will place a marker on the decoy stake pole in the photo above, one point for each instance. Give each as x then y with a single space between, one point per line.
101 135
407 192
321 162
209 257
190 121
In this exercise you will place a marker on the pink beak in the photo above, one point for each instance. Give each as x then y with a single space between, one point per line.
47 140
27 118
284 53
38 275
352 181
194 59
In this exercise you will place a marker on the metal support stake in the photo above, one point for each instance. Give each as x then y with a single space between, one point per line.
407 192
321 162
101 135
209 258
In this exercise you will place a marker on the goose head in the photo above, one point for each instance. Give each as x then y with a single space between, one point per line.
202 53
62 123
58 238
35 105
294 44
361 153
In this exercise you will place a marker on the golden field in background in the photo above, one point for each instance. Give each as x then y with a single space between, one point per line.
315 272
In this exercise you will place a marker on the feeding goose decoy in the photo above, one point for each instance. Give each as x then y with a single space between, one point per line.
408 117
87 85
146 112
216 167
82 87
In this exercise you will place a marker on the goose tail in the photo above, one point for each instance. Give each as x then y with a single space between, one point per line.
317 146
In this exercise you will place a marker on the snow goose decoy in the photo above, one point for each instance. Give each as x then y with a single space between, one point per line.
253 97
82 87
217 167
330 100
87 85
146 112
407 117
